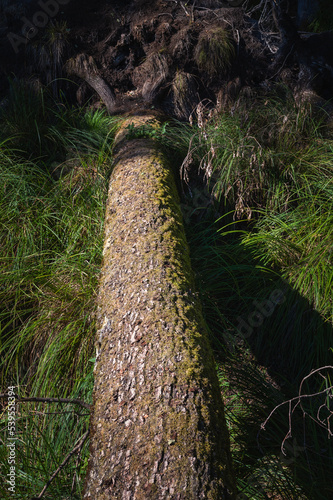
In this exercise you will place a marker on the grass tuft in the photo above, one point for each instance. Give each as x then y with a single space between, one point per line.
51 238
215 51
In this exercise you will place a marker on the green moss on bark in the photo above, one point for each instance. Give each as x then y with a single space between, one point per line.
158 429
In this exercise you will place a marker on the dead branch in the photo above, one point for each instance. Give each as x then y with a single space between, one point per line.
84 67
76 448
50 400
298 402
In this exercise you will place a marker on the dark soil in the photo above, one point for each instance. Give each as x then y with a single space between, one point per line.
138 46
146 51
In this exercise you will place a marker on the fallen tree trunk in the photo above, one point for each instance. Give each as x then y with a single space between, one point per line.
158 428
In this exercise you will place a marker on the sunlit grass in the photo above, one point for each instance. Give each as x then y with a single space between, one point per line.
273 169
51 235
269 169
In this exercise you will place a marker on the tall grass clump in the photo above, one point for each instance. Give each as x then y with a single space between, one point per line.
298 242
271 165
262 368
25 119
51 238
260 154
47 130
215 51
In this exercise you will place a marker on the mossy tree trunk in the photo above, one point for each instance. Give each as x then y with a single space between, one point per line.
158 428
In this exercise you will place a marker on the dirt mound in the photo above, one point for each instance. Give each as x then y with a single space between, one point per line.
160 54
165 54
148 47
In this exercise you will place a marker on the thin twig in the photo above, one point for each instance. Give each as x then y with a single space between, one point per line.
51 400
77 447
165 14
185 10
257 7
68 412
298 399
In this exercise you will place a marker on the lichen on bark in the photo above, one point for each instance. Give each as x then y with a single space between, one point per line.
158 427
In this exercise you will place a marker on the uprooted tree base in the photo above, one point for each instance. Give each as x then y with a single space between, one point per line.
166 54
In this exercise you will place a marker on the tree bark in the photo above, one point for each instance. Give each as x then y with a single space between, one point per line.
158 428
84 67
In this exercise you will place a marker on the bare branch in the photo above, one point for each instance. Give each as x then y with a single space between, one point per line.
51 400
77 448
298 400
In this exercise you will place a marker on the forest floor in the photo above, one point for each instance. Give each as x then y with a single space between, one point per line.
241 117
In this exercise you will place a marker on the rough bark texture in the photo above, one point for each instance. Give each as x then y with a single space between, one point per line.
158 427
84 67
